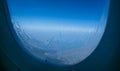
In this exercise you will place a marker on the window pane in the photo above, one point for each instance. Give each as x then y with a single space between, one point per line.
61 32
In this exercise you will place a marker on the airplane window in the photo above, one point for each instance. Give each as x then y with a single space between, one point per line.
62 32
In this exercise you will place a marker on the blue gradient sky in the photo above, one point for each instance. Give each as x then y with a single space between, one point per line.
58 9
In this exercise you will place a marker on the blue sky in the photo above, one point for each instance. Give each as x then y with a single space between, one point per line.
58 9
32 13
